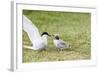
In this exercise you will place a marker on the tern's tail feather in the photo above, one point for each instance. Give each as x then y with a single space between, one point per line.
29 47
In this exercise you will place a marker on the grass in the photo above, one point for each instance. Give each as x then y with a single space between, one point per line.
73 27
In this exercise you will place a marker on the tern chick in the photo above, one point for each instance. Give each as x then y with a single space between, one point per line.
60 44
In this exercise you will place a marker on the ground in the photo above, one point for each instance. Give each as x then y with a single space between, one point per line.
73 27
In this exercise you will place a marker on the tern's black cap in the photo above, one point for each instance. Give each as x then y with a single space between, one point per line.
57 37
44 33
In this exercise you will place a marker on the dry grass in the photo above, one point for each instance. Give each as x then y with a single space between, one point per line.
74 28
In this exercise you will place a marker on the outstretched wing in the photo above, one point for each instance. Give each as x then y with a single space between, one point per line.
32 31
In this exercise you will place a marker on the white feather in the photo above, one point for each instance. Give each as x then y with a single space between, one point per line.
60 44
33 34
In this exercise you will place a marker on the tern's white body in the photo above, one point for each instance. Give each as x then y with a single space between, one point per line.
60 44
39 42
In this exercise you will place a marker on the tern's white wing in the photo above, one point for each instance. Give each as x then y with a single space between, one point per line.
32 32
61 44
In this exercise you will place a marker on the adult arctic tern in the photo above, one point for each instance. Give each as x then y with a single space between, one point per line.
39 41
